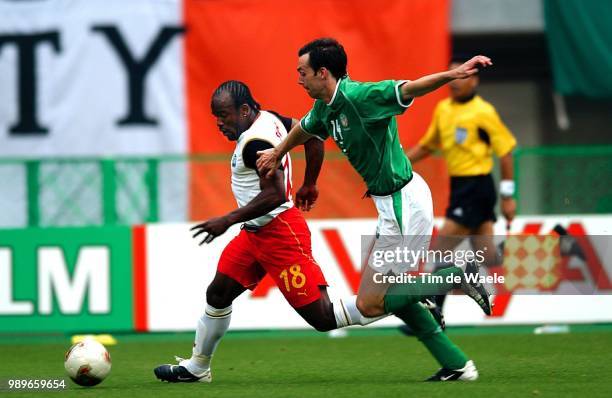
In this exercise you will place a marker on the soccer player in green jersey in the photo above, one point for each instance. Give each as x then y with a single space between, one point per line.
360 117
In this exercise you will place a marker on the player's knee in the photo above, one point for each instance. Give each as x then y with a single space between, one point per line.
370 308
218 297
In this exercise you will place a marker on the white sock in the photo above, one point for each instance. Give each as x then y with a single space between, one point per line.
347 313
211 328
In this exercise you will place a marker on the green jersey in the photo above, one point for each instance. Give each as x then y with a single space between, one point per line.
361 119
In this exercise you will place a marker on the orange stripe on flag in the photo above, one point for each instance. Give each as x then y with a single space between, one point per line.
248 41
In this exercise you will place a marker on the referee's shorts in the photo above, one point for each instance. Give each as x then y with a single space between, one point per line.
472 200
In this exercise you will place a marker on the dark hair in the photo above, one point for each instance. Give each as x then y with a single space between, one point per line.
239 92
326 53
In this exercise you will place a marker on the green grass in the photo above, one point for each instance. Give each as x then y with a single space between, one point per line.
511 361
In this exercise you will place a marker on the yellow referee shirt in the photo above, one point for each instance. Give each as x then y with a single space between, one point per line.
468 134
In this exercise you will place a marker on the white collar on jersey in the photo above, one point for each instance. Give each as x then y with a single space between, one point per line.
259 113
335 92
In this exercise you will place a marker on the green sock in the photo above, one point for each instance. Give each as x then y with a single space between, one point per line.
401 295
431 335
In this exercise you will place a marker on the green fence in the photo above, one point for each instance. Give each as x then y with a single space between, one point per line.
125 191
564 180
93 192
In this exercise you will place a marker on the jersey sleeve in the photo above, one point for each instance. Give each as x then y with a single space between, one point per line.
431 139
380 100
312 124
250 149
502 140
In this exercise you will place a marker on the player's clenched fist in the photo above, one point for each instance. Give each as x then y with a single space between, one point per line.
267 162
306 197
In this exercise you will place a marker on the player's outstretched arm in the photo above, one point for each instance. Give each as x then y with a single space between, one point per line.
308 193
271 196
417 153
429 83
269 159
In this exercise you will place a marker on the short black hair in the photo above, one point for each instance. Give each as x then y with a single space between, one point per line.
240 93
326 53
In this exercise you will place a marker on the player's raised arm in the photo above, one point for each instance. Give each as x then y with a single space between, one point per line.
269 159
429 83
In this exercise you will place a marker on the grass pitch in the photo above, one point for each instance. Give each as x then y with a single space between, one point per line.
368 363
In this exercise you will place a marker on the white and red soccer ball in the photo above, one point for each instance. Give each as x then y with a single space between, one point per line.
87 362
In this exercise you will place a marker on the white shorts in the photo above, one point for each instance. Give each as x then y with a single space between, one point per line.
405 221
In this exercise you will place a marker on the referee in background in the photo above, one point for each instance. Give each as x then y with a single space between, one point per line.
468 131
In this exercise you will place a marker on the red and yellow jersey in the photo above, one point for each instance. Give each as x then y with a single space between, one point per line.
468 134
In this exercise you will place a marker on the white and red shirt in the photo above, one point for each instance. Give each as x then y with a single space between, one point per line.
267 127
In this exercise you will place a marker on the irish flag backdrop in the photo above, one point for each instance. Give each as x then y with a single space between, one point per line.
116 78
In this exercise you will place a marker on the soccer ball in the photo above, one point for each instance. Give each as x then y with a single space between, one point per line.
87 363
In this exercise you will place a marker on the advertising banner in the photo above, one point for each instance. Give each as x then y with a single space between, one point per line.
123 279
70 279
178 266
